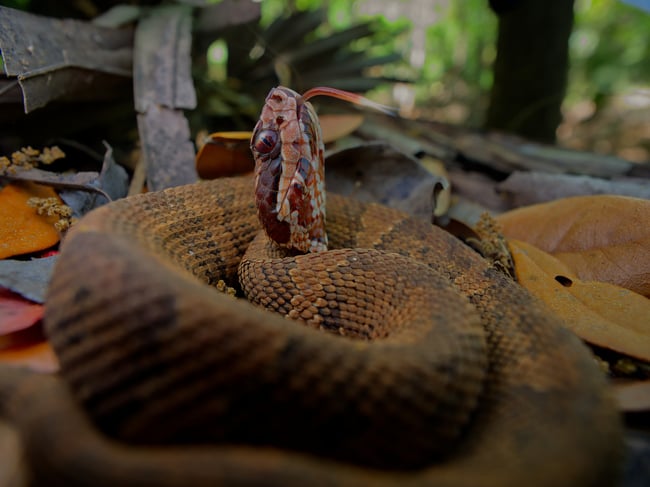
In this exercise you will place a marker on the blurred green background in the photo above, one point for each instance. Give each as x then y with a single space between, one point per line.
434 59
449 48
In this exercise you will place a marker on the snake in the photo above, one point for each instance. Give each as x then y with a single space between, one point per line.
374 349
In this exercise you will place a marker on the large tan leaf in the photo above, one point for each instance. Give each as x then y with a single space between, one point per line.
603 314
600 238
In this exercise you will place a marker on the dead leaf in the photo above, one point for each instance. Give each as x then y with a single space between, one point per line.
110 184
28 278
22 230
82 190
162 59
225 154
336 127
378 172
530 187
16 313
81 179
162 87
600 238
55 58
603 314
507 153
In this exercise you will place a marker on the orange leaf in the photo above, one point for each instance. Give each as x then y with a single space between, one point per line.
335 127
36 356
600 238
22 230
603 314
17 313
225 154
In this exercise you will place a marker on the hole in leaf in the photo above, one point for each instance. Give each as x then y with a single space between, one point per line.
565 281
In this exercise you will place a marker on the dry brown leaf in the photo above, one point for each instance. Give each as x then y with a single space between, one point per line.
22 230
335 127
225 154
603 314
600 238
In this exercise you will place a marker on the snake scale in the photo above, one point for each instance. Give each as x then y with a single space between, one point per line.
417 363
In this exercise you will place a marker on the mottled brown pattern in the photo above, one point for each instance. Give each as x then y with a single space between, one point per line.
490 393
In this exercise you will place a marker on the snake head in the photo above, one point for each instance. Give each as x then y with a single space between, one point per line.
288 150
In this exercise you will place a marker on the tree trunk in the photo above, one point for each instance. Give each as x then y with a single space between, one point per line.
530 71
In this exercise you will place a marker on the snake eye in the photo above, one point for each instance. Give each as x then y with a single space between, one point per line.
265 141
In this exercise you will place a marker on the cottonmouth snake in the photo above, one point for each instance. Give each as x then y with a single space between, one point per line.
156 354
469 381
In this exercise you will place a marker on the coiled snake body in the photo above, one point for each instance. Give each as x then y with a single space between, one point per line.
447 373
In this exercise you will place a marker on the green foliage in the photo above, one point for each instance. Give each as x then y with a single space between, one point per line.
610 49
460 50
340 13
19 4
301 50
454 60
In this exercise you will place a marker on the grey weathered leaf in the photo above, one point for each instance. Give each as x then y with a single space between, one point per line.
29 278
163 84
112 181
378 172
529 188
113 178
162 64
507 153
166 148
57 58
78 180
406 135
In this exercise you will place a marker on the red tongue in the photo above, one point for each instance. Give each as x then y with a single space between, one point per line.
346 96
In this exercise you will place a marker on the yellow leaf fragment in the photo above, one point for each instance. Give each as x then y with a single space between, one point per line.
600 238
603 314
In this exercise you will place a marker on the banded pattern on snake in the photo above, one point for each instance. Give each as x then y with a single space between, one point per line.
437 369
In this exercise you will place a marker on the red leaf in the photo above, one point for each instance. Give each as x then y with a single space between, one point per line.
17 313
